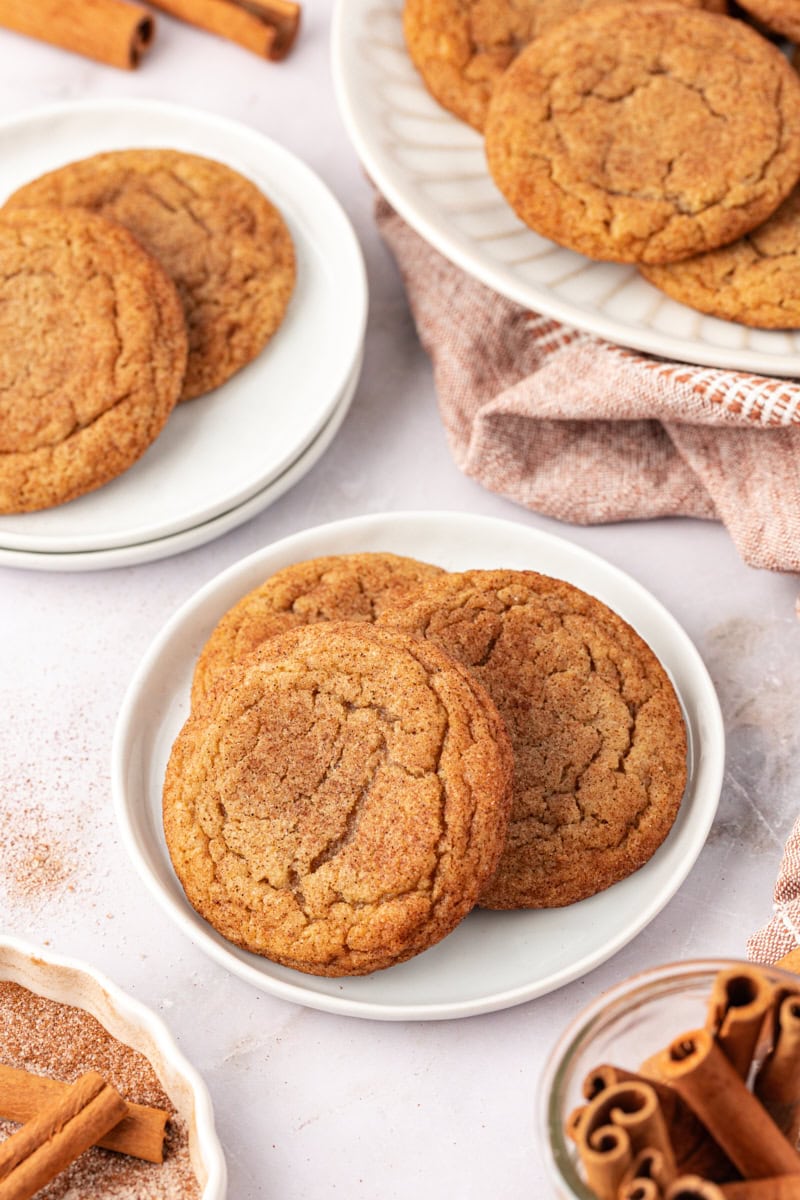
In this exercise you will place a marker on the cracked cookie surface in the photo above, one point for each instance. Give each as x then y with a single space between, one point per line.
462 47
755 280
646 133
338 587
339 806
598 736
92 354
225 246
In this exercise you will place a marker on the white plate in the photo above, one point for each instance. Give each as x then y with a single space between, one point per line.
493 959
432 169
221 449
187 539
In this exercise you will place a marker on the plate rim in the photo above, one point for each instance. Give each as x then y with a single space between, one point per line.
457 250
713 761
349 350
205 531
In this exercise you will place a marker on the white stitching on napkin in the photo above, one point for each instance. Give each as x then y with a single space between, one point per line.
780 910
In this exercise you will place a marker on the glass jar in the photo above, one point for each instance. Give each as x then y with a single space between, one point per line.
622 1027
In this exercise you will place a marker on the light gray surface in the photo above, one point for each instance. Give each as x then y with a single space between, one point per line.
310 1105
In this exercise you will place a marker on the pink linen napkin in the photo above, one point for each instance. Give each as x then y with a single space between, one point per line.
579 429
782 933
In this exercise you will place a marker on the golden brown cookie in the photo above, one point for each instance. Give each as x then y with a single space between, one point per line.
225 246
92 354
780 16
598 737
755 281
340 804
339 587
646 133
462 47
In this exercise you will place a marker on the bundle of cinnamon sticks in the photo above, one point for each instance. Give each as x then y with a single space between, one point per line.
63 1120
713 1116
119 32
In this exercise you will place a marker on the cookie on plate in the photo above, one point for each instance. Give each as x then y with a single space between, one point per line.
598 736
338 587
223 243
92 354
755 280
462 47
339 806
646 133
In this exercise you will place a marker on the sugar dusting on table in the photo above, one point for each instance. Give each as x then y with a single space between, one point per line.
61 1041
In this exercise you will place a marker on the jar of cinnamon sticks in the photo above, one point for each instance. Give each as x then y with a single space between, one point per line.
682 1083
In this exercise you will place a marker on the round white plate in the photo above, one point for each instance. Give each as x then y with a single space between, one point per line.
493 959
188 539
221 449
432 169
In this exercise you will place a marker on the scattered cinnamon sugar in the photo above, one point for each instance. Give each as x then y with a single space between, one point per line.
58 1040
37 862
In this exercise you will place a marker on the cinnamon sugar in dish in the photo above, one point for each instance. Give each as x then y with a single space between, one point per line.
62 1042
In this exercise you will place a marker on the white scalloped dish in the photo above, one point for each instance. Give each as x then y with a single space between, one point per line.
431 167
81 986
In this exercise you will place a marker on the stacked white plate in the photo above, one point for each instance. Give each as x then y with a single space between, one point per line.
225 456
432 168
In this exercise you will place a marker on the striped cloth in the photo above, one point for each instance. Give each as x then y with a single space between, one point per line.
579 429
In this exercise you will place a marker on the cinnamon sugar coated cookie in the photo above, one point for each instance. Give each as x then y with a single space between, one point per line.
755 280
646 133
92 354
341 587
598 736
339 807
223 243
781 16
462 47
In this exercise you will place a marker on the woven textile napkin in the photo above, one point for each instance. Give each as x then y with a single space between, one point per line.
576 428
782 933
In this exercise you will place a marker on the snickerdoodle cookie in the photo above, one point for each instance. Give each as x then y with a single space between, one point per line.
781 16
755 280
92 354
223 243
646 133
598 737
462 47
340 804
339 587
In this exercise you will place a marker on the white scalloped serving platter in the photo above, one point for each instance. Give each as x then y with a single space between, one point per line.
431 168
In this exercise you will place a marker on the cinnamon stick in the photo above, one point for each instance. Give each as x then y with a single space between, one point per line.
114 32
266 27
634 1107
684 1128
699 1071
640 1189
782 1187
140 1133
692 1187
54 1138
606 1156
739 1003
790 961
777 1083
573 1122
651 1164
